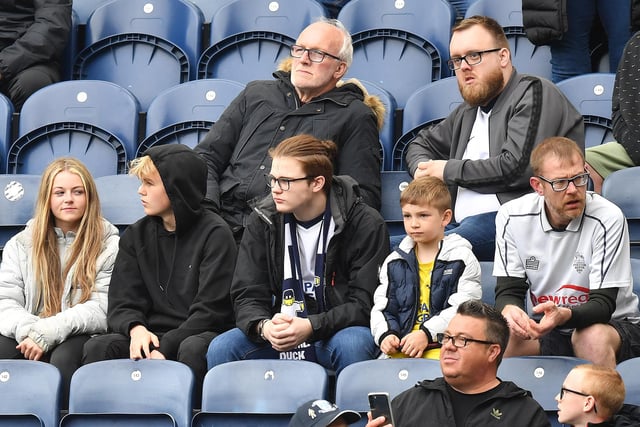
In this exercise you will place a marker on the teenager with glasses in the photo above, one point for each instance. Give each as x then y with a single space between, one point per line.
469 393
563 266
307 266
306 96
591 396
481 150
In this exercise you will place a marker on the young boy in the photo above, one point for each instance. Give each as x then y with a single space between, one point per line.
169 291
425 279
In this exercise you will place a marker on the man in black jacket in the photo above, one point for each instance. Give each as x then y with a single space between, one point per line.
307 266
33 35
306 99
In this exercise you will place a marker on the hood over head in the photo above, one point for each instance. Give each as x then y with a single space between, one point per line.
184 176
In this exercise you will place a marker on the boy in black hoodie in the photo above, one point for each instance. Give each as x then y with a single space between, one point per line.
169 291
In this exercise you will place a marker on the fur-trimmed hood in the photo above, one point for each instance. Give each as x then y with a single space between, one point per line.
372 101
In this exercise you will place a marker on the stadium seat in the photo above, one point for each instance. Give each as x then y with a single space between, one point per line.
621 188
628 370
421 110
17 203
542 376
184 113
635 272
95 121
591 95
400 46
526 57
460 6
249 38
209 7
137 44
393 182
30 394
130 392
387 133
84 8
6 115
263 392
380 375
488 282
119 199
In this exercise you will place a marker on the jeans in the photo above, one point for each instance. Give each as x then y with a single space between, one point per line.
571 55
346 346
480 231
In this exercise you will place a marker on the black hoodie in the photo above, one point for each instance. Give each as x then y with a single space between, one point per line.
176 284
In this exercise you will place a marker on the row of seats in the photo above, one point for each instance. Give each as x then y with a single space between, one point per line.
251 392
95 119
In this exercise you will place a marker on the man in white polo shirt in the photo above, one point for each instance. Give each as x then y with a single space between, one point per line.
568 251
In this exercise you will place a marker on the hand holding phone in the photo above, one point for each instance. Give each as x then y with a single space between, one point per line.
380 405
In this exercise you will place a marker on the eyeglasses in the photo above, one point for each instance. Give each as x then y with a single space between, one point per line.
459 342
562 184
315 55
471 58
283 183
564 390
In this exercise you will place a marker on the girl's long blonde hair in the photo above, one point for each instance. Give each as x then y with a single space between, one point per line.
84 250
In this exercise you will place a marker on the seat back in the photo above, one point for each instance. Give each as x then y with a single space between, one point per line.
209 7
30 393
635 273
244 392
421 111
250 38
620 188
393 182
6 116
387 133
184 113
628 370
138 392
525 56
95 121
591 94
119 199
380 375
400 46
136 44
488 282
17 203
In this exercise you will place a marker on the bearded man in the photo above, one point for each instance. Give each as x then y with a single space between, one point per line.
481 150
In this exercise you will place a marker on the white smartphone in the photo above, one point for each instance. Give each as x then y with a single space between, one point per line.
380 405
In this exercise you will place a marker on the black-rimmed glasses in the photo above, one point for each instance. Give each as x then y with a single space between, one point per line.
564 390
315 55
471 58
562 184
283 183
459 342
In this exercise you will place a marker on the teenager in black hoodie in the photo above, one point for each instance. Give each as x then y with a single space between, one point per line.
169 291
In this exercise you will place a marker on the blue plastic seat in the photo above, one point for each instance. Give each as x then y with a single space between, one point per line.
526 57
542 376
400 46
6 116
393 182
18 195
591 94
380 375
249 38
628 370
30 394
84 8
425 107
130 392
263 392
621 188
488 282
137 44
209 7
184 113
387 133
119 199
95 121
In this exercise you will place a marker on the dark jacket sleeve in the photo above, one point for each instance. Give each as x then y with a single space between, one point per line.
211 308
544 20
43 41
625 102
354 278
219 143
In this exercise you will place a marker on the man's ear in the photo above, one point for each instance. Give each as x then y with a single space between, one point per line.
536 184
318 183
341 70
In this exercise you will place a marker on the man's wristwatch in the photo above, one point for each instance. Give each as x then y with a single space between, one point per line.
261 328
